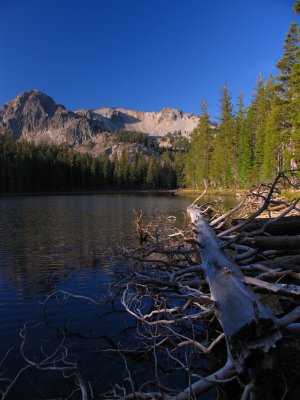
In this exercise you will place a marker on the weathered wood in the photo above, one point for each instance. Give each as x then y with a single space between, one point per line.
289 318
285 226
246 322
277 288
277 242
291 262
200 386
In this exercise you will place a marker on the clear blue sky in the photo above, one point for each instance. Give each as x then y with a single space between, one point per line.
139 54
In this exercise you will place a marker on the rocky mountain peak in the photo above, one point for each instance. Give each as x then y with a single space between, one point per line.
33 101
33 115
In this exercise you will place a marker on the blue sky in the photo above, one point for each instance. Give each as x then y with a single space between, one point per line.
139 54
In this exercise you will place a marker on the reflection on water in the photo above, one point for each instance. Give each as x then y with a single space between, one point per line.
68 241
42 235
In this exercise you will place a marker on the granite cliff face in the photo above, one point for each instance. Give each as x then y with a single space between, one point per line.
35 116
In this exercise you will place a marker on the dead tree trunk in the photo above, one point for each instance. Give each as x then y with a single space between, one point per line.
247 323
285 226
277 242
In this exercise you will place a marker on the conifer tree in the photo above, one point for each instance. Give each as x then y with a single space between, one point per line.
245 149
224 165
289 59
201 148
287 127
256 123
191 162
199 157
294 113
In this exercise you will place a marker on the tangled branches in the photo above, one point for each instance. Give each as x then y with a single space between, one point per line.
216 305
201 293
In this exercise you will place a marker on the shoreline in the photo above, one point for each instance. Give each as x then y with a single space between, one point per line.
88 192
174 192
212 192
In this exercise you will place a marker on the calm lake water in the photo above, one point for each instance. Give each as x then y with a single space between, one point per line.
68 241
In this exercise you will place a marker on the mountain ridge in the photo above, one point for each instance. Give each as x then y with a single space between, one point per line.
35 116
155 123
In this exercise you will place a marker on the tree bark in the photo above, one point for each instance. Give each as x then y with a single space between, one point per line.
277 242
291 262
285 226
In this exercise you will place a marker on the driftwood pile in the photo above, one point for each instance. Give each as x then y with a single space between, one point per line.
223 297
216 305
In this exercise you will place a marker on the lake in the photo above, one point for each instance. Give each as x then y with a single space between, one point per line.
68 243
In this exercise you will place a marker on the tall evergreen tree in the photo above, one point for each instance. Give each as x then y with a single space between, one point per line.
294 112
286 110
224 168
289 59
245 148
199 156
256 124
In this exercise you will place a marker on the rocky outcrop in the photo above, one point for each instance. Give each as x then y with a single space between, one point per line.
104 143
35 116
153 123
128 150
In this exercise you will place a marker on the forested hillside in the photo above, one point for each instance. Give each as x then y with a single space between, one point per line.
26 167
252 145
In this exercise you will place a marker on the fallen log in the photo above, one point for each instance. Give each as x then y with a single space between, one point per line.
250 328
285 226
278 288
276 242
246 322
290 262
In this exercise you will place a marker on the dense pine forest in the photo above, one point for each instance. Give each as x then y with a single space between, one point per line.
250 146
25 167
246 147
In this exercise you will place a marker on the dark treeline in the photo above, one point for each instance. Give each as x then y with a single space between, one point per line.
250 146
26 167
